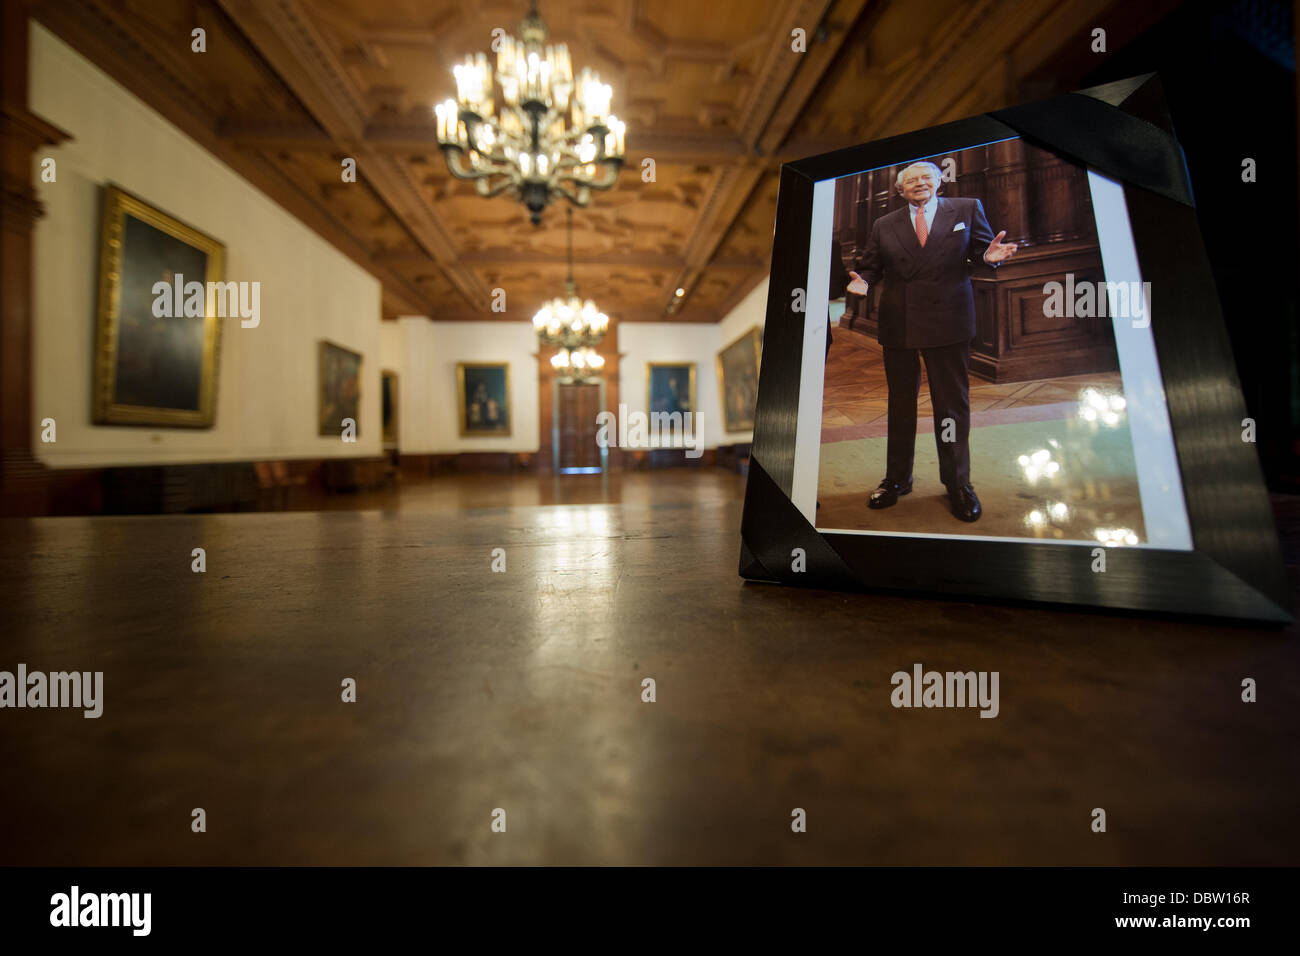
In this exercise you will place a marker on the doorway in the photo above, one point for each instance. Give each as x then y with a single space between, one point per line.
574 428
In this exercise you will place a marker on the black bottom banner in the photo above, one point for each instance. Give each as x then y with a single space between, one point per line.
92 906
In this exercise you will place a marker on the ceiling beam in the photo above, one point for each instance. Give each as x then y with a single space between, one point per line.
524 257
690 316
272 133
928 81
282 31
699 148
774 103
743 288
731 190
812 68
414 138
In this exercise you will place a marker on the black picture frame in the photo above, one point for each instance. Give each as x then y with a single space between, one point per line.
1234 569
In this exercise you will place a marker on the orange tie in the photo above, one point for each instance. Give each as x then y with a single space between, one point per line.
921 232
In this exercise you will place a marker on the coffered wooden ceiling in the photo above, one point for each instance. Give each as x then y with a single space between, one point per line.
712 91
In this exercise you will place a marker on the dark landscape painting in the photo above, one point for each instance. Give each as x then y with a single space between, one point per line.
152 369
340 389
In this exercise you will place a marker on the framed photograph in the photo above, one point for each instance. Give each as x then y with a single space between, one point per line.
388 418
1034 398
483 396
670 387
155 358
340 390
738 365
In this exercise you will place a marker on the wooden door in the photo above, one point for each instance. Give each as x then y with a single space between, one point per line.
577 405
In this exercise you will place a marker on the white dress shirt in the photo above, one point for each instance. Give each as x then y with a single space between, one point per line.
930 208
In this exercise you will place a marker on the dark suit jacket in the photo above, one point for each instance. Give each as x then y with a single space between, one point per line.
926 299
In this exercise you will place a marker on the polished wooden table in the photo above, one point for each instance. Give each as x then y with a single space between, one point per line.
522 690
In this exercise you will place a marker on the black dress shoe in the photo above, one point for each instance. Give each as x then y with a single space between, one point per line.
965 506
887 494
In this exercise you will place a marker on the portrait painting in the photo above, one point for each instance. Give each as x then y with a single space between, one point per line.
738 380
340 390
155 364
670 387
483 393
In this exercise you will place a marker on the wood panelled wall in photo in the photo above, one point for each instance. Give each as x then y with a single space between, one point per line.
1044 204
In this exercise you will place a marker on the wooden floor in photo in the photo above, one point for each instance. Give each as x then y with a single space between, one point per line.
855 396
1094 489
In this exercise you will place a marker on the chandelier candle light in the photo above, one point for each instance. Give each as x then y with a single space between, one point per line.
550 137
575 326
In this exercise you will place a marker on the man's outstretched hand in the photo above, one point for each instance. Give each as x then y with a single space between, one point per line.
859 285
998 251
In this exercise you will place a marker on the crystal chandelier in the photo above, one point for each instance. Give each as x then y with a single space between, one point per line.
579 360
571 324
549 137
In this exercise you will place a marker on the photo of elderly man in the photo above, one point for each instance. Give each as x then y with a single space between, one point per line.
921 256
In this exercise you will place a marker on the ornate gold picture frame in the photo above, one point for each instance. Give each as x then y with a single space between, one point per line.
738 364
670 387
483 398
339 390
151 369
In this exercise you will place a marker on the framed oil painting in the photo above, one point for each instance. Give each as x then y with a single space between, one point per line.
738 380
340 389
483 398
388 417
670 387
155 361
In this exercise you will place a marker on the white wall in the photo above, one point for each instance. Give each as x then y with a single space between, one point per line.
267 385
751 311
427 409
392 346
425 355
642 342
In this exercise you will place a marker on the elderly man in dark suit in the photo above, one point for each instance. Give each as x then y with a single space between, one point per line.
921 254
